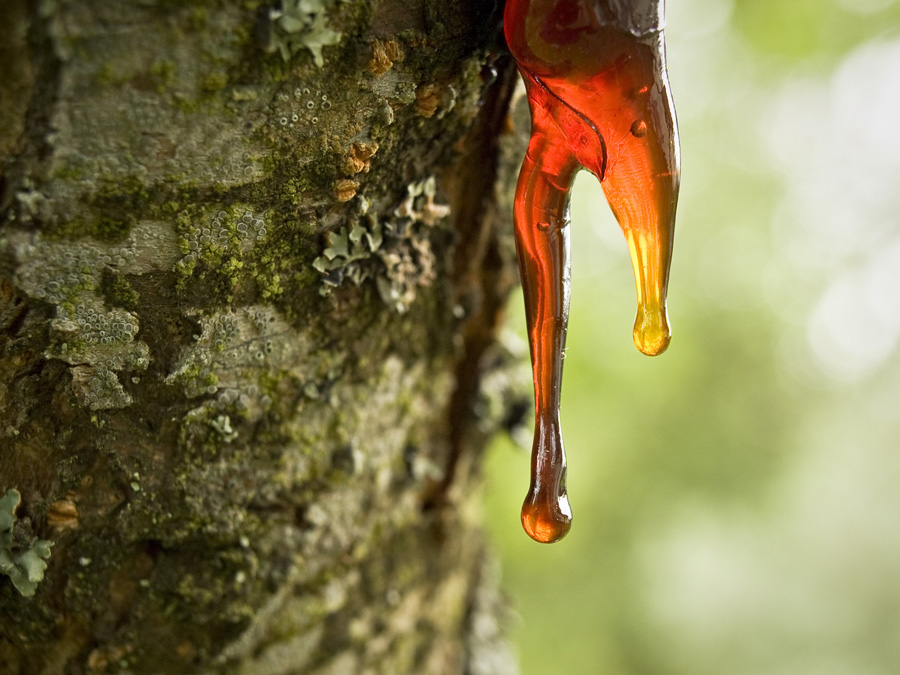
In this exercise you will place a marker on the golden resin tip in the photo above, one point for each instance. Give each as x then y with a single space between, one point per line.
651 330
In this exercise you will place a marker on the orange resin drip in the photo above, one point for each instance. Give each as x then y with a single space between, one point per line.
596 81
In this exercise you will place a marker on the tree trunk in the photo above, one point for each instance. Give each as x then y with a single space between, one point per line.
252 264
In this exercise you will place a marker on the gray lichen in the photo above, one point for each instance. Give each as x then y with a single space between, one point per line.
97 341
396 253
231 362
22 555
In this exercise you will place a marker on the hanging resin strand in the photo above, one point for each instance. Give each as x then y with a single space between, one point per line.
596 81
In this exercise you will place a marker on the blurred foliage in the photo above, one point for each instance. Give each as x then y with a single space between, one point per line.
731 499
790 30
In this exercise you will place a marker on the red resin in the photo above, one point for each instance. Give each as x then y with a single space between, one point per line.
599 96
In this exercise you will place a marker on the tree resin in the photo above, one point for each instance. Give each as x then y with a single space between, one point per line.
595 75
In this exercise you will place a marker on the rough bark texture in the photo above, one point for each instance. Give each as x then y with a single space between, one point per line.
251 268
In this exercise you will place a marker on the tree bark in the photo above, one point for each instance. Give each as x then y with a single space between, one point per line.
252 265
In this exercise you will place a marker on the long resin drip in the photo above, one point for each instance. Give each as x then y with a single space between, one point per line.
594 72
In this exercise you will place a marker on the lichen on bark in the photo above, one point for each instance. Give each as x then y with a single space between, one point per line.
239 472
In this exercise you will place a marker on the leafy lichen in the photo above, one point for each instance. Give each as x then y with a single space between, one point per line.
395 253
22 555
302 24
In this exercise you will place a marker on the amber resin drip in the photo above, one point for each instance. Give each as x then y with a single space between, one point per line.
596 81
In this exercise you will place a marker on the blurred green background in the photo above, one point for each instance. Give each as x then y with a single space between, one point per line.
736 500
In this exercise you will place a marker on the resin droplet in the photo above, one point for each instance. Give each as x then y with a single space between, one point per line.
543 522
546 515
594 72
651 330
